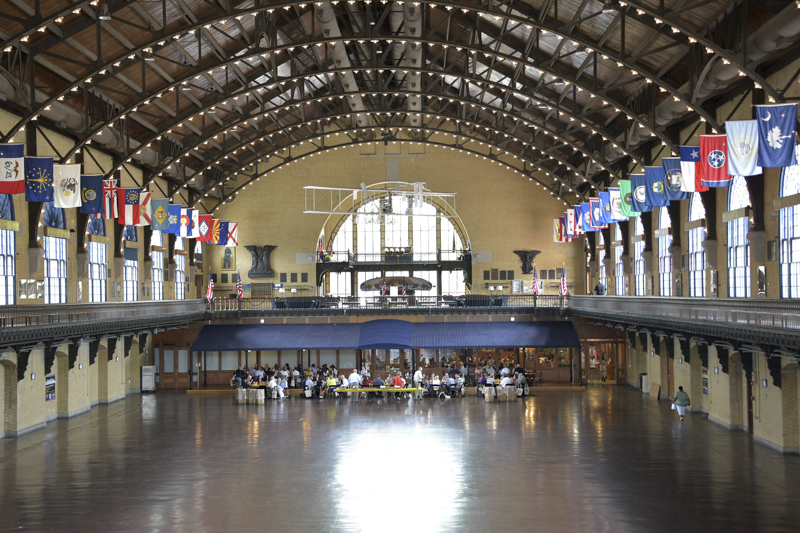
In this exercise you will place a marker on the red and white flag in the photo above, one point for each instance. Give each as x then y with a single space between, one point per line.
239 289
210 291
145 213
563 288
404 287
110 199
714 161
535 286
383 288
233 234
129 206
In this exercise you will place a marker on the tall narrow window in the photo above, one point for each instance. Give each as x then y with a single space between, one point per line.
790 234
738 245
664 257
180 270
601 256
639 270
619 268
697 253
55 257
98 262
130 269
8 261
157 271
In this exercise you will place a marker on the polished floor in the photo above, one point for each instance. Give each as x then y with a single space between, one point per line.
610 459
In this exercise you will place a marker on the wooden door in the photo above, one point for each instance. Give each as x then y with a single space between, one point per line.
168 367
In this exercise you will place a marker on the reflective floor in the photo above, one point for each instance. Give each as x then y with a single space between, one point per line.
610 459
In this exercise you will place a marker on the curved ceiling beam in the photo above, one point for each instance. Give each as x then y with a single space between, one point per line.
136 55
355 141
42 24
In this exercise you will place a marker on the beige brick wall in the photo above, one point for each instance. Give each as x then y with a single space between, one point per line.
31 409
719 405
767 404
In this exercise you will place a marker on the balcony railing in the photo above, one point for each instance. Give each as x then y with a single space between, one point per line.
386 302
761 313
20 316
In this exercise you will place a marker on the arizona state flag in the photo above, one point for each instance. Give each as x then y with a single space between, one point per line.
714 161
204 228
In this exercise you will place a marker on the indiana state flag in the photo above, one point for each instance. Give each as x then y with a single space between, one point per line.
673 179
742 147
38 179
639 194
777 135
160 218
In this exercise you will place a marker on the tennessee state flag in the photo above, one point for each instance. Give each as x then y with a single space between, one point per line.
714 161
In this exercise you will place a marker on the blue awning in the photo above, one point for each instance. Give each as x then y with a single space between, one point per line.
550 334
387 334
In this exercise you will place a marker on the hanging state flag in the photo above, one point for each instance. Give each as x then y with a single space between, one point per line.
626 197
186 222
321 251
210 290
222 238
615 200
110 205
714 161
558 230
569 219
160 209
535 286
742 147
383 288
639 194
596 211
173 219
214 231
233 234
204 228
578 214
777 135
195 230
145 218
39 179
12 168
655 192
91 194
129 206
67 186
690 168
586 216
605 207
673 179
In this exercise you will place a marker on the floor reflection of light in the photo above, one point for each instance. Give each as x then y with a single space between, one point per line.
417 471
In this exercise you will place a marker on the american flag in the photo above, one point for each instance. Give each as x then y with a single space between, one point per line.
383 288
563 289
210 291
320 253
535 282
239 289
404 288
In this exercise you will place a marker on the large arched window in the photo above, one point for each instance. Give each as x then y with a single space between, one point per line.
664 257
601 256
377 225
130 269
697 253
55 257
738 245
8 260
790 234
180 269
619 268
98 261
639 270
157 271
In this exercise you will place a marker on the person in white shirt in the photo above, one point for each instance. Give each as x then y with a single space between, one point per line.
418 382
505 371
505 381
355 378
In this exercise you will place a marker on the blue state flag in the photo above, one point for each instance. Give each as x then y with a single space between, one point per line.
777 135
159 207
654 195
673 179
578 212
639 194
91 194
742 147
39 179
605 208
586 217
223 233
174 220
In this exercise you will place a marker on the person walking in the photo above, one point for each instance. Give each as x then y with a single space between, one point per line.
681 402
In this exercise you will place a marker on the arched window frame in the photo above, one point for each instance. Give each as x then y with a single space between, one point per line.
789 234
157 270
639 270
130 268
664 255
738 245
98 261
697 252
8 256
601 256
619 267
180 269
55 256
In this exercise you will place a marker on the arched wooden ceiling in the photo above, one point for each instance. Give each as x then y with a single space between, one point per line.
198 91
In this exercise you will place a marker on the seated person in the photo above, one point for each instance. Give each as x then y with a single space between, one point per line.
377 382
521 380
490 380
482 381
238 377
436 380
505 381
309 384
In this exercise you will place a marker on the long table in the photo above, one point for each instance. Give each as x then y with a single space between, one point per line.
385 390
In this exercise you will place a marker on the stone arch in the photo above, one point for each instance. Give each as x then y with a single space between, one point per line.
8 396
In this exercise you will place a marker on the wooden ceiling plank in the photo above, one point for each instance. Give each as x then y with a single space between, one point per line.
165 108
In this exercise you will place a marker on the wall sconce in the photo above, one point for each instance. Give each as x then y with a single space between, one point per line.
33 376
680 360
716 370
764 383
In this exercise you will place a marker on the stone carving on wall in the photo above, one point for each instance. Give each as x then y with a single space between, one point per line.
260 255
527 257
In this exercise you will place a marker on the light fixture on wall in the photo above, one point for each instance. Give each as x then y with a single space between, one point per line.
764 383
716 370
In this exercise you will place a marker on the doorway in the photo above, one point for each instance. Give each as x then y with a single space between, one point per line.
172 366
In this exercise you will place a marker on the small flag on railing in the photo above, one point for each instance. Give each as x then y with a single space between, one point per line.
383 288
535 282
320 253
239 289
404 287
563 289
210 291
